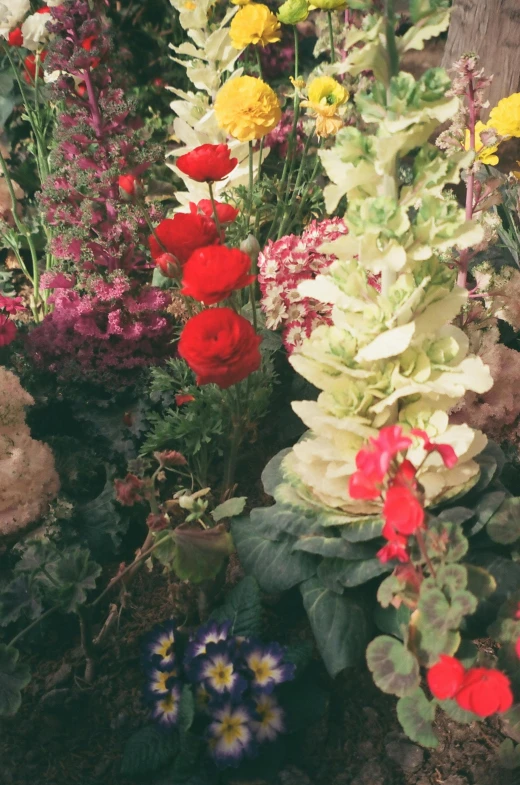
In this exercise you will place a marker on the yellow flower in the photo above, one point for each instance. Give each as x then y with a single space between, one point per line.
293 11
240 2
254 24
329 5
505 117
247 108
325 97
485 153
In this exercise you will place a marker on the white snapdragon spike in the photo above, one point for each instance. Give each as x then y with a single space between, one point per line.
11 14
35 32
193 14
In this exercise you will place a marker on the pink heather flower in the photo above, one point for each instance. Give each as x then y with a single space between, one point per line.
52 280
282 266
278 138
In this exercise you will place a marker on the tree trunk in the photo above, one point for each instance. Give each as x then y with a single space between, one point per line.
491 29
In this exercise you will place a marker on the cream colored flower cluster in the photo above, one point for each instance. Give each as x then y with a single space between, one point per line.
28 479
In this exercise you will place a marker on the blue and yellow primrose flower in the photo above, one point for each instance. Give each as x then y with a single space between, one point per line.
165 710
230 735
159 646
160 681
212 632
218 672
266 664
270 722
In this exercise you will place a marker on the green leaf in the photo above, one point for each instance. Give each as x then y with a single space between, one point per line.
186 710
335 548
392 620
416 715
200 553
336 573
455 543
74 574
273 522
19 598
467 653
147 751
504 525
485 509
14 676
480 582
243 608
272 475
187 761
229 508
300 655
160 280
361 531
339 625
394 668
457 714
509 755
273 564
99 522
511 720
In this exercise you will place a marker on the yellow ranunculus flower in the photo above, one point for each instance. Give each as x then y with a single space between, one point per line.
505 117
254 24
240 2
485 153
247 108
293 11
326 91
329 5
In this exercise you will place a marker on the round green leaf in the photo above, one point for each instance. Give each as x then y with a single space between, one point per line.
394 668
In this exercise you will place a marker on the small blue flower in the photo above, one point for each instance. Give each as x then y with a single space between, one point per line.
159 646
159 681
218 671
230 735
265 662
165 710
270 718
212 632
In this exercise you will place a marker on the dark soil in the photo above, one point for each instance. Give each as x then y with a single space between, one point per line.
71 733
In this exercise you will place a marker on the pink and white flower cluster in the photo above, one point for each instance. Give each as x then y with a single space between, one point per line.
282 266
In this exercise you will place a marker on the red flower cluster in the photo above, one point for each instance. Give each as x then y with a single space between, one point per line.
482 691
220 346
128 491
211 274
402 510
11 306
30 67
15 37
207 163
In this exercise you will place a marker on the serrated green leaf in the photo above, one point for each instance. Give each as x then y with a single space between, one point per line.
504 526
229 508
73 576
200 553
339 625
99 522
273 564
395 669
14 676
242 607
416 715
147 751
21 597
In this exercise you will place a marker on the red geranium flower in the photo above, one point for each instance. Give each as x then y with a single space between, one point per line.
446 451
207 163
485 692
30 66
220 346
405 475
364 486
181 235
11 305
15 37
402 510
226 212
446 677
128 490
7 330
212 273
517 648
127 183
393 550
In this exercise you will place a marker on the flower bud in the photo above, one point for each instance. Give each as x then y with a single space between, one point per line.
293 11
251 247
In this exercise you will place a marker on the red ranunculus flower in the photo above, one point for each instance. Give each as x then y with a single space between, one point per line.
212 273
402 510
15 37
7 330
446 677
181 235
393 550
207 163
220 346
226 212
127 183
485 692
30 67
446 451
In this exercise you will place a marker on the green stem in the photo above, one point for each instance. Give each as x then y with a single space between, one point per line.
215 211
391 43
331 36
235 442
251 183
32 625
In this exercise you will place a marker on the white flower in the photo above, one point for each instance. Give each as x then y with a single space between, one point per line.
11 14
34 31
